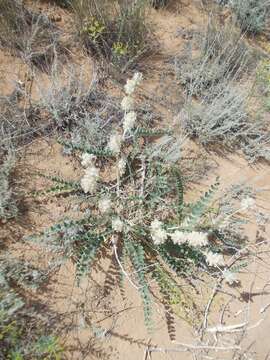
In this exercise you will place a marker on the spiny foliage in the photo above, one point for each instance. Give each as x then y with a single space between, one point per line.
136 210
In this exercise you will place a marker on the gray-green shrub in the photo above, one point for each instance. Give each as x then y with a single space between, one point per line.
217 55
253 15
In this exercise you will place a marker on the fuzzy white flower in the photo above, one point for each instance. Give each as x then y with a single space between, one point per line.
114 144
214 259
132 83
89 180
127 103
247 203
122 166
87 159
130 86
158 235
194 238
104 205
117 224
129 121
178 237
197 239
137 77
229 277
155 225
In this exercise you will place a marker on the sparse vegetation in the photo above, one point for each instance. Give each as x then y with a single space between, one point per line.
103 196
212 59
216 106
114 30
253 15
29 34
23 335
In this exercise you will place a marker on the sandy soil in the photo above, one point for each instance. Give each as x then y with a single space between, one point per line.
113 327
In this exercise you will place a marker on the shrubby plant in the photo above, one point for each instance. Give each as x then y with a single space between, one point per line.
222 118
114 30
216 106
29 34
252 15
263 81
133 190
213 58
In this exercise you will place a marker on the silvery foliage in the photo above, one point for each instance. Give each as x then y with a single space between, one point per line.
252 15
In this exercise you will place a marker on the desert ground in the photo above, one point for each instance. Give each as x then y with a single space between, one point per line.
61 89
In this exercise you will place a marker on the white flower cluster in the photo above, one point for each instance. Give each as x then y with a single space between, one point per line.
247 203
104 205
114 144
129 121
229 277
214 259
127 103
158 234
132 83
117 224
87 159
194 238
122 163
89 180
91 173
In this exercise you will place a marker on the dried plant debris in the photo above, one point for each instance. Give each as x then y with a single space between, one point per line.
31 35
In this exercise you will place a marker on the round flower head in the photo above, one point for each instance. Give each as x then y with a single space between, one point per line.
114 144
117 224
127 103
104 205
129 121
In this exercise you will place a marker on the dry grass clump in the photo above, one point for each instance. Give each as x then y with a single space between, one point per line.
222 118
20 120
114 30
29 34
217 97
217 55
